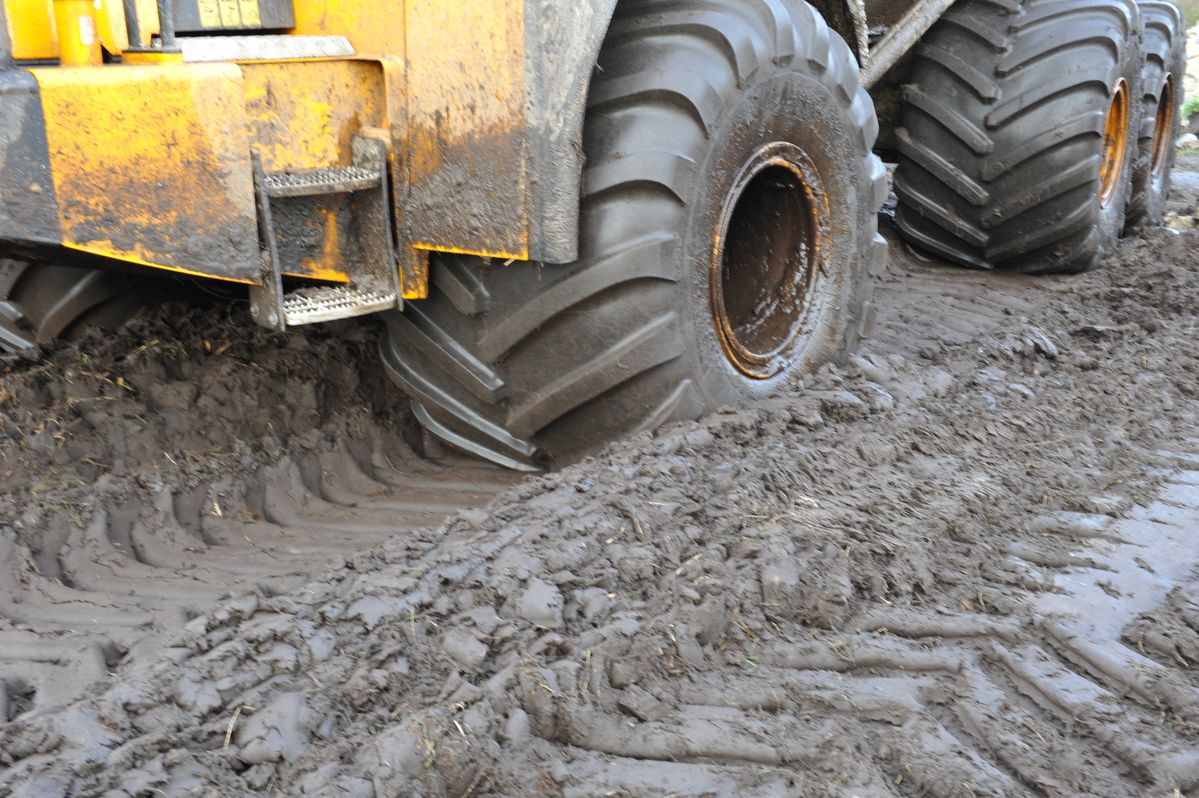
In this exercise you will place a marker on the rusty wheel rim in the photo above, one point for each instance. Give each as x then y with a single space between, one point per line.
1163 130
1115 145
768 258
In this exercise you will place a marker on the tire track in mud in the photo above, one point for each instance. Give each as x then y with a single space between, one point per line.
739 607
103 588
1059 698
106 587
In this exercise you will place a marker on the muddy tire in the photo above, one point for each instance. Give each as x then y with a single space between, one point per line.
1015 151
1163 68
736 115
39 304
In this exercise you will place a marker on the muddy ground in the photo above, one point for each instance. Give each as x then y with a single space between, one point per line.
962 565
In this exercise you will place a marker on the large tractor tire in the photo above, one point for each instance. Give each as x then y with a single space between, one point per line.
39 304
1019 134
1163 70
728 231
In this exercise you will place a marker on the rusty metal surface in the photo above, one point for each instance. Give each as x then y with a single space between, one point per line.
304 114
151 166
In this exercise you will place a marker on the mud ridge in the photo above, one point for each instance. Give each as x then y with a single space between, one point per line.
190 458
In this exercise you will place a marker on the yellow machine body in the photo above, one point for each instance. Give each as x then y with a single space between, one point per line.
148 157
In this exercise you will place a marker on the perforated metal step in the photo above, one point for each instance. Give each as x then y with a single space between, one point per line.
318 182
215 49
313 305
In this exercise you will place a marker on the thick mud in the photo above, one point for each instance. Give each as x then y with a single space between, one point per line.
1184 202
147 474
961 565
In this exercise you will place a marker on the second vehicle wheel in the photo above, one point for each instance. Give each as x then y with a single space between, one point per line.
40 303
1160 117
1015 150
728 228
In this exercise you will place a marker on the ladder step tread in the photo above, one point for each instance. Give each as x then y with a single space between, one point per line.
259 47
312 305
317 182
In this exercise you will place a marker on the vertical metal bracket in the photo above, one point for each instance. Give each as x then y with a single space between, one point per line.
266 299
372 215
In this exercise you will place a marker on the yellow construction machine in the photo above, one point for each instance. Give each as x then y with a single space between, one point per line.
579 218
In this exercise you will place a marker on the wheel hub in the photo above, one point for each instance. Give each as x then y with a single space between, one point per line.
1163 130
1115 144
768 257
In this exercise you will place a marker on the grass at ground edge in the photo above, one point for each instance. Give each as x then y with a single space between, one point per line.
1190 10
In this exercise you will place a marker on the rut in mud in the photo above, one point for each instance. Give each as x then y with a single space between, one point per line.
192 457
960 566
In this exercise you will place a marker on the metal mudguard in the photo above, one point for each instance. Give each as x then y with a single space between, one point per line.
28 207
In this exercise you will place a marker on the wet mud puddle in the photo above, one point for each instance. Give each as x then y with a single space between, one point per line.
1113 627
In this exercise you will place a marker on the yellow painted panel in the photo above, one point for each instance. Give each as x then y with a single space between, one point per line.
147 18
230 13
151 165
32 30
303 115
111 27
374 27
466 64
78 44
251 12
466 120
210 13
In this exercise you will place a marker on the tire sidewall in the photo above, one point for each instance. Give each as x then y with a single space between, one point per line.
796 107
1157 188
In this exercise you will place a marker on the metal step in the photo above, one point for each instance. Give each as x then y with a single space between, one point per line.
371 265
313 305
216 49
319 182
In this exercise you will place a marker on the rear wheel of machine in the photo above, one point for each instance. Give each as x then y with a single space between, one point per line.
1160 111
1015 150
40 303
728 228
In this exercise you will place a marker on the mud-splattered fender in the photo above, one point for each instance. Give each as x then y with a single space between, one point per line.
563 44
28 206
